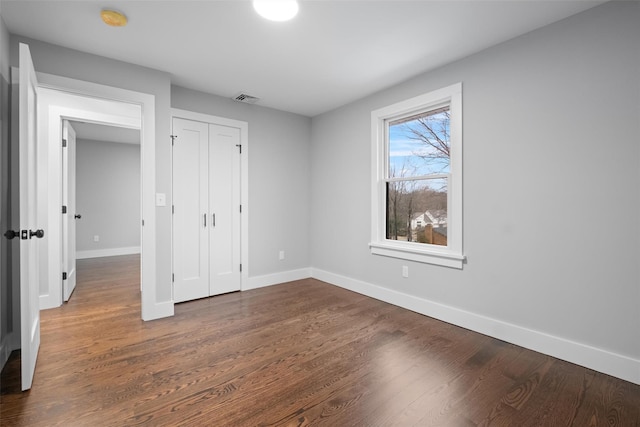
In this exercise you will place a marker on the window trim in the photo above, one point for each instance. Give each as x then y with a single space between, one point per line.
451 255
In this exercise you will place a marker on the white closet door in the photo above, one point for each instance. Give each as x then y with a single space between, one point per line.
190 203
224 202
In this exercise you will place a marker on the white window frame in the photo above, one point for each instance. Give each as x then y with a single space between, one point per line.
452 254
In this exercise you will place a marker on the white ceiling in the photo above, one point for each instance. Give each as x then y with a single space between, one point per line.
332 53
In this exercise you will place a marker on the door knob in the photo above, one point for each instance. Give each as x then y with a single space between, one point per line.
23 234
77 216
38 233
10 234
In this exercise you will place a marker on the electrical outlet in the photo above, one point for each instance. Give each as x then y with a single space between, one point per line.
96 238
405 271
281 255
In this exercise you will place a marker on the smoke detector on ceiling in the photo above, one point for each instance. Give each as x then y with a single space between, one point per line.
247 99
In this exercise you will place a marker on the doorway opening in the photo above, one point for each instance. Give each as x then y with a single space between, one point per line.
69 99
101 182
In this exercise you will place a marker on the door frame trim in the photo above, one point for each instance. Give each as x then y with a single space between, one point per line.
244 182
150 307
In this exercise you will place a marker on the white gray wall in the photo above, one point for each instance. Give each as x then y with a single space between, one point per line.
107 197
551 177
278 179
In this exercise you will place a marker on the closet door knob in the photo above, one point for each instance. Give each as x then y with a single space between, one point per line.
38 233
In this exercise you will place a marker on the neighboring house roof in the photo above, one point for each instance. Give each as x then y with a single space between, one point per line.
436 218
418 216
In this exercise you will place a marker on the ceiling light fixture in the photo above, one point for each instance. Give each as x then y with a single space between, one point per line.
113 18
276 10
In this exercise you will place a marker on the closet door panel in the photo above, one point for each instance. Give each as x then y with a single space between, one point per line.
190 204
224 202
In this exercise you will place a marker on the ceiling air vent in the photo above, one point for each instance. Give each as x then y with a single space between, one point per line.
247 99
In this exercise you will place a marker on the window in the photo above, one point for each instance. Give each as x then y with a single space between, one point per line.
417 179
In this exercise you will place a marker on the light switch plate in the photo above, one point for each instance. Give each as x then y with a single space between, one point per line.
161 199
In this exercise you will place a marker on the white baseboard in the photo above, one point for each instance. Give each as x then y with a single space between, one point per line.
158 310
276 278
99 253
49 301
594 358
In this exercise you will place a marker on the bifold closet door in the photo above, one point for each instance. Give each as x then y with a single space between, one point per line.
206 209
190 210
224 202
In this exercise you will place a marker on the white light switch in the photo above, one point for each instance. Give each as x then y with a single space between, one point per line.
161 199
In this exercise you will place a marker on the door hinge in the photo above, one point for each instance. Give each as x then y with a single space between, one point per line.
240 208
143 222
64 209
240 147
240 268
173 209
173 277
64 275
173 139
64 143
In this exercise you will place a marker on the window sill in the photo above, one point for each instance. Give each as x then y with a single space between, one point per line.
427 256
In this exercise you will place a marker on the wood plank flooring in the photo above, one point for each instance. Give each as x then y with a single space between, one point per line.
298 354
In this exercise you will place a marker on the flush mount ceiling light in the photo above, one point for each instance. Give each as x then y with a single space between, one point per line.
276 10
113 18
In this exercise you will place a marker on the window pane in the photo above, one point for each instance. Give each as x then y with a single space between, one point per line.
419 145
417 211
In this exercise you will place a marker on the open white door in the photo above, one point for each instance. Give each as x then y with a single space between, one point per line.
69 209
29 235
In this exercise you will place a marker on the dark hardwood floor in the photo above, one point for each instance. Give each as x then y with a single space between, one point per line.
297 354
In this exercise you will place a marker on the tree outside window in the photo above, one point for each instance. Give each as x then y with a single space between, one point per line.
419 163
